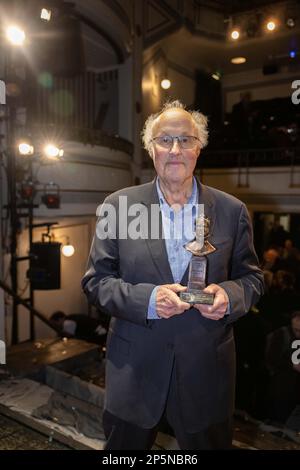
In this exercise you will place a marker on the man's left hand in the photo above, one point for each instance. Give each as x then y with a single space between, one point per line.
220 305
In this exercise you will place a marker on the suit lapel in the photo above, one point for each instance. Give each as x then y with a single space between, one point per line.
157 247
205 198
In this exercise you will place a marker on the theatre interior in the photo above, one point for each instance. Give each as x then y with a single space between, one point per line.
78 80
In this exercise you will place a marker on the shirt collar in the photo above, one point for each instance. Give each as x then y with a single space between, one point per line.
193 199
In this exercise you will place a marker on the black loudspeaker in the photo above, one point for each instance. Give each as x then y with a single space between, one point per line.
44 272
269 69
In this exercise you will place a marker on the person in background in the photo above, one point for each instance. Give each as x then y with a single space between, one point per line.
80 326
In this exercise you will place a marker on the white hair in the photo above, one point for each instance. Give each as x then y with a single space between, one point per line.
200 122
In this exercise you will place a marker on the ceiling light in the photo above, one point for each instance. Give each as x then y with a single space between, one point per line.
238 60
45 14
271 25
15 35
25 148
290 22
51 151
216 75
165 83
235 34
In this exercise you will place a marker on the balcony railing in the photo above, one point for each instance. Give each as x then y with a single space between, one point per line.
82 135
285 156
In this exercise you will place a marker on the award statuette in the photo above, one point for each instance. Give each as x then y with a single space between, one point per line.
198 264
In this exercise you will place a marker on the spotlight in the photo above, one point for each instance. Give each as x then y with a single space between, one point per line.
165 83
25 148
271 25
51 196
290 22
235 34
216 75
15 35
27 190
52 151
45 14
68 250
292 54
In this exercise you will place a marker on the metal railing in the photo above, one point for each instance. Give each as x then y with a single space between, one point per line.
25 304
82 135
236 158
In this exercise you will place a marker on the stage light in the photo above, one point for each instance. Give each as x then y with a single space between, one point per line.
45 14
52 201
51 196
290 22
271 25
52 151
165 83
15 35
25 148
216 75
238 60
235 34
292 54
27 190
68 250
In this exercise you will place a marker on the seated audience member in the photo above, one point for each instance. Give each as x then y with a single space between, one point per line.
79 326
271 260
278 235
280 300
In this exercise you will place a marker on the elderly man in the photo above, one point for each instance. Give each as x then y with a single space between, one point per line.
166 357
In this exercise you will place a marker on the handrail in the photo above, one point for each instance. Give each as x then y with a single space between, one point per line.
33 310
274 156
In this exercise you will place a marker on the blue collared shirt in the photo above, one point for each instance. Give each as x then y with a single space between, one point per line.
178 229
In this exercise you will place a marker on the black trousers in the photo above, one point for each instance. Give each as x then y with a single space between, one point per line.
122 435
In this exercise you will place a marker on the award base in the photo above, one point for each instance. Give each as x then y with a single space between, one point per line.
194 296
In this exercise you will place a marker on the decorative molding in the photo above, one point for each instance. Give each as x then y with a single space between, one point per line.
160 54
160 20
182 70
93 137
119 11
108 37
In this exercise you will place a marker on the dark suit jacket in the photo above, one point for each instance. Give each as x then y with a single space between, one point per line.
141 353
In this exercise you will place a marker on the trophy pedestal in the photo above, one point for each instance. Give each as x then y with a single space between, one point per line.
196 283
196 296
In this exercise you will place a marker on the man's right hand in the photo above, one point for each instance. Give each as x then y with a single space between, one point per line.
168 303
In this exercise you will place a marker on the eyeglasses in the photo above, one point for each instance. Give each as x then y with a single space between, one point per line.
184 141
